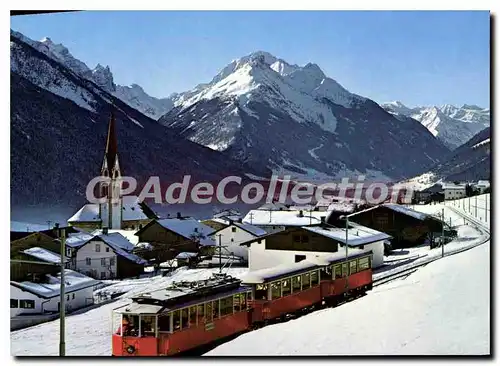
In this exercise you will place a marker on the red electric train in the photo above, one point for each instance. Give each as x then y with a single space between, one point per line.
187 315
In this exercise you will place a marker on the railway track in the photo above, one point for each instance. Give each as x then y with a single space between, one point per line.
405 272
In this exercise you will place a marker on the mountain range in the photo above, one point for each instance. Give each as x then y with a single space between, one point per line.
452 125
258 114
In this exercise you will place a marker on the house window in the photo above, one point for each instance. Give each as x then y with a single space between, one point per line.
233 229
73 296
14 303
88 261
232 240
103 275
27 304
111 274
112 261
98 247
103 262
67 297
68 252
107 249
299 257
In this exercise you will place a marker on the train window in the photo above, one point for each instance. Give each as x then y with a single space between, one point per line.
226 306
236 302
192 316
209 311
185 318
261 292
148 326
216 307
314 278
344 269
353 267
276 290
247 298
296 284
286 286
363 263
177 320
201 313
164 323
324 273
306 281
338 271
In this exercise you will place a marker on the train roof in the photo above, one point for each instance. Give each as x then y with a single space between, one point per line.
282 270
285 270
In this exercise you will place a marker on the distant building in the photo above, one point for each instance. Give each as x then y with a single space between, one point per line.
295 244
482 185
117 212
233 235
43 296
170 237
407 227
453 191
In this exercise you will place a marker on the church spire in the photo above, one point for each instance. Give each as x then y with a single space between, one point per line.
111 142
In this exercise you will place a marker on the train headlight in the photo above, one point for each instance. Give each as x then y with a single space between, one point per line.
130 349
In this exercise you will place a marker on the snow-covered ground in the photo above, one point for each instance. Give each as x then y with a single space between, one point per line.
477 207
441 309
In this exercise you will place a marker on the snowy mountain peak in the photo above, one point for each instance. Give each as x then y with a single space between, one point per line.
453 125
103 77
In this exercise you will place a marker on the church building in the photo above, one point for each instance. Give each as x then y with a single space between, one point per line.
117 212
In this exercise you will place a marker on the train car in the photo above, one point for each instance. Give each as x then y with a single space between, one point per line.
289 288
187 315
182 317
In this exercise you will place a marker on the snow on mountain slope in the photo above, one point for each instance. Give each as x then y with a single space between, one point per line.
267 112
452 125
430 312
102 76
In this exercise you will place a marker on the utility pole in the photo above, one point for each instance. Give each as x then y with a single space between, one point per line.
62 310
442 235
220 253
346 252
476 208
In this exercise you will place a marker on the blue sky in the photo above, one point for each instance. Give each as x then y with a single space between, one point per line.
419 57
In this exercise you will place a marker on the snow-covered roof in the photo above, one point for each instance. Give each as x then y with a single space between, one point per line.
74 281
254 230
44 255
188 228
128 234
131 209
399 208
281 270
355 236
407 211
282 218
485 183
186 255
341 207
114 240
88 213
453 186
76 240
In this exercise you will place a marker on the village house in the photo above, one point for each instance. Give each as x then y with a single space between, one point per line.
295 244
453 191
104 255
43 295
407 227
169 237
117 212
233 235
483 185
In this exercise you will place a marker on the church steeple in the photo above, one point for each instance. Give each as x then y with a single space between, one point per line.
110 166
110 211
